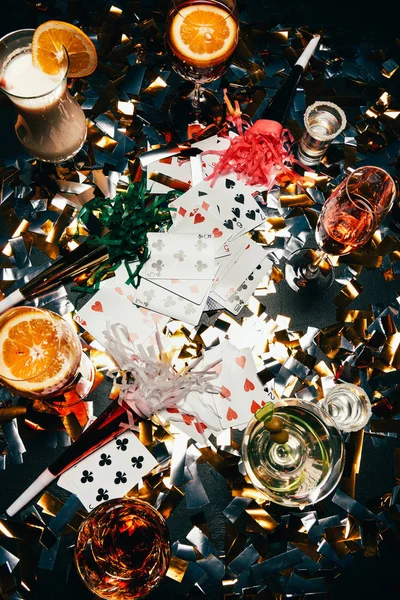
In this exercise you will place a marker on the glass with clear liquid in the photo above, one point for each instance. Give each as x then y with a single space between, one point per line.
323 121
50 123
307 467
348 405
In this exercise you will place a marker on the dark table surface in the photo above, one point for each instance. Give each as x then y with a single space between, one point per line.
351 23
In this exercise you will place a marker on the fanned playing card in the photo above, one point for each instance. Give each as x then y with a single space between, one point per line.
190 289
250 256
109 472
180 256
110 305
204 222
242 393
156 298
242 294
229 200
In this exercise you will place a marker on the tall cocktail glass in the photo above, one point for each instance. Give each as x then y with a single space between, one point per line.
50 123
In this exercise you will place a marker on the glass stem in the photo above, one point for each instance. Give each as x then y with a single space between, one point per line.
321 256
311 270
196 96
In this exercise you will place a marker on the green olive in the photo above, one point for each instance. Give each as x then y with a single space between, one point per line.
274 425
281 437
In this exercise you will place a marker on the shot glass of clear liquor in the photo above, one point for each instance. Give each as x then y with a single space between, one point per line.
348 405
323 122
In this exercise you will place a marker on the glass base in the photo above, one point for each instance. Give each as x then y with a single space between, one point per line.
303 278
186 117
54 159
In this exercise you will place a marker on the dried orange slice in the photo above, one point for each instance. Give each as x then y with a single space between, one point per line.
47 49
203 34
30 357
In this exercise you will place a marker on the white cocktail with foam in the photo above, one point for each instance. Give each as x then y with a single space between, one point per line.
50 123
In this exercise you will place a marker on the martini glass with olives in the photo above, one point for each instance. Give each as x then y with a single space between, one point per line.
296 458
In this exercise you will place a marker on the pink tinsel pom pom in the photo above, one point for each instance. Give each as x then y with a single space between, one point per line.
257 155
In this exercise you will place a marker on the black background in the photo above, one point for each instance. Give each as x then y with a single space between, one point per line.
351 22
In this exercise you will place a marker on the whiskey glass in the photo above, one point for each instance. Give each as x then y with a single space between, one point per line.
123 549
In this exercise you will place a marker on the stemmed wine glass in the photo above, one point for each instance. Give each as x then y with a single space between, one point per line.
347 221
202 36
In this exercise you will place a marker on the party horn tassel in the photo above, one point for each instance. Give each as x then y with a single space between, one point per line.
83 258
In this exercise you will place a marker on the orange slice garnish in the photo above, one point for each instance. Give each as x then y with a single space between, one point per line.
203 34
31 358
48 42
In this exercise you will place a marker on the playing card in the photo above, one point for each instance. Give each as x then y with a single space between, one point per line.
228 200
203 405
242 294
209 161
109 472
180 256
196 430
251 256
150 319
109 306
204 222
241 390
182 418
190 289
225 263
153 296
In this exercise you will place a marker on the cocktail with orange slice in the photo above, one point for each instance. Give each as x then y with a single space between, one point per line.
41 355
202 36
34 66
